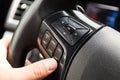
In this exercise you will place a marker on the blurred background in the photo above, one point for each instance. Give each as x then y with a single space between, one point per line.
105 11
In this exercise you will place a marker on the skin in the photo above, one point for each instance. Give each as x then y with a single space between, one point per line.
35 71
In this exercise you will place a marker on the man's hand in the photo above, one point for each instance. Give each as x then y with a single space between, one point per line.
35 71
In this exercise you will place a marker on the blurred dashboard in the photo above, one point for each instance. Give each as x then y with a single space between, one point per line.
15 13
104 11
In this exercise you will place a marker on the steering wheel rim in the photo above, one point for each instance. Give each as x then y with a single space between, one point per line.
25 36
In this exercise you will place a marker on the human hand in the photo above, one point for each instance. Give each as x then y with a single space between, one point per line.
35 71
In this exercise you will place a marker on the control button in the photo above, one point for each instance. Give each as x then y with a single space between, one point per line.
51 47
46 39
75 24
58 52
59 28
82 31
69 28
78 34
64 20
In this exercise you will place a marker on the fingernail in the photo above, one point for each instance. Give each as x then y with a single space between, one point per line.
51 64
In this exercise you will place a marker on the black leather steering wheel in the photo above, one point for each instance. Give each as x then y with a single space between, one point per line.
25 37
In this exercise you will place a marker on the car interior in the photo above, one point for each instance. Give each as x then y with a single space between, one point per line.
82 35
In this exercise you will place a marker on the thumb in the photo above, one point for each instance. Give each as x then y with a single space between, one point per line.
38 70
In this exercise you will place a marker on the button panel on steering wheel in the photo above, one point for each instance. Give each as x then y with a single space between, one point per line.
51 46
70 29
59 36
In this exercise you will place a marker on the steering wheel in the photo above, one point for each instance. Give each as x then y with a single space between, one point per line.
81 45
